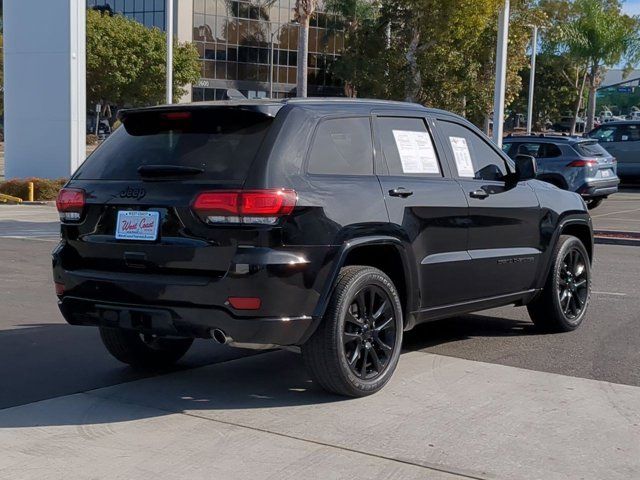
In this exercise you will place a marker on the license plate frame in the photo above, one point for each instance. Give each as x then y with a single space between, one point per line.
137 225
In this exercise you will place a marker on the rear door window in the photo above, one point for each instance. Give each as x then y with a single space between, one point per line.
342 146
221 142
408 147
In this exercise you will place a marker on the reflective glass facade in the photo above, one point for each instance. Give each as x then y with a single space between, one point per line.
147 12
234 41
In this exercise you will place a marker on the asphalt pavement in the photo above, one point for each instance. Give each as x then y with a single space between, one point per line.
477 396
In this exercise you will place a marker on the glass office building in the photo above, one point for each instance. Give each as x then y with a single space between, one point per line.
234 40
148 12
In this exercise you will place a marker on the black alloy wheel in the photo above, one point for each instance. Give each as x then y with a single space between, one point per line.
562 304
356 347
573 284
369 333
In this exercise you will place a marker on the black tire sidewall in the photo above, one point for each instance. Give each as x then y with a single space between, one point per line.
569 243
368 276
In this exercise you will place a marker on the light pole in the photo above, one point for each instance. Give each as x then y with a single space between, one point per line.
271 60
169 28
532 78
501 74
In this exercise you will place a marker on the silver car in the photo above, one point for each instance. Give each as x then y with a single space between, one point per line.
621 140
577 164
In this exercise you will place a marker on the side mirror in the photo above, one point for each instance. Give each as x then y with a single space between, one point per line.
526 168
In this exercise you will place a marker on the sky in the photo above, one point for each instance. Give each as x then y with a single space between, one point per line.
632 7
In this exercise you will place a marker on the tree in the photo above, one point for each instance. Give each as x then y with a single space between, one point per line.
126 62
304 9
599 36
441 54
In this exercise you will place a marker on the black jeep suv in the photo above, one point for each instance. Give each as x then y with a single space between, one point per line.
329 225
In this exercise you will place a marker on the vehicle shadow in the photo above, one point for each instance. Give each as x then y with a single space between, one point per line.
258 381
464 327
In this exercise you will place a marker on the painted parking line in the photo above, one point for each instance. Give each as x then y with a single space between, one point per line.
614 294
616 213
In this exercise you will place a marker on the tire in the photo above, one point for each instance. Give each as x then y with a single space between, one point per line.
594 202
564 300
137 350
356 348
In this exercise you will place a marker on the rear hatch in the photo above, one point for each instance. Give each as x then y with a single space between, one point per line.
140 185
604 165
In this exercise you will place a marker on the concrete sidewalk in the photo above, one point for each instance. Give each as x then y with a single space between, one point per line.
260 417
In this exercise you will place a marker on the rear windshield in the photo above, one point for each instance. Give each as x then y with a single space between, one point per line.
221 142
590 149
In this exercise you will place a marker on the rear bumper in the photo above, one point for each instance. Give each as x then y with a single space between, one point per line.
287 282
186 322
599 188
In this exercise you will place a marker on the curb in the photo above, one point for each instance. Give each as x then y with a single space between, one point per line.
611 237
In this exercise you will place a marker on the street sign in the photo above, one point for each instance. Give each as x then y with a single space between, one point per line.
626 89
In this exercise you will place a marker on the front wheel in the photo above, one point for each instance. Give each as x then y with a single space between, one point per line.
562 304
141 350
356 348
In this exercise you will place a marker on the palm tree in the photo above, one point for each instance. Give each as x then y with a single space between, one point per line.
600 36
304 9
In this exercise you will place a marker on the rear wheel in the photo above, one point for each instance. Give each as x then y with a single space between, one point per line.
594 202
140 350
356 348
562 305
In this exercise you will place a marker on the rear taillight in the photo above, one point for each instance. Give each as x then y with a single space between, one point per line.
583 163
245 206
70 204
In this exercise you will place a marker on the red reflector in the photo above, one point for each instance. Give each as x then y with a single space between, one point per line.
70 200
59 288
245 303
176 115
268 203
583 163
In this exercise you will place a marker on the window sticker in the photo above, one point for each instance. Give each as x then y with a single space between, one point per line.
462 156
417 153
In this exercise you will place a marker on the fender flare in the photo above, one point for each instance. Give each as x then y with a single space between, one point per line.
410 273
571 219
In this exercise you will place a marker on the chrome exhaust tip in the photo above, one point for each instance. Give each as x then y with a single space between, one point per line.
219 336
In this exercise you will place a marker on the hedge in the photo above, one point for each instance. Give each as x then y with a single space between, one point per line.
44 189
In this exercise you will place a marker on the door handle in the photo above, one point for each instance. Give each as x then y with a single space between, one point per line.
480 193
400 192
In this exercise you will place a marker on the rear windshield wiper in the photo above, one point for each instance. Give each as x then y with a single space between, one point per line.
168 170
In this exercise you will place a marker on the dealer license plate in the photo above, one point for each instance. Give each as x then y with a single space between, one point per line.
136 225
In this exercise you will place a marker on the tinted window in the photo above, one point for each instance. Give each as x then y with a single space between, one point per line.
473 156
552 151
590 149
533 149
606 133
629 133
342 146
408 147
223 143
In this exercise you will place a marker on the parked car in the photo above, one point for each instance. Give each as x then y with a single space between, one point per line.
571 163
329 226
622 140
564 125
